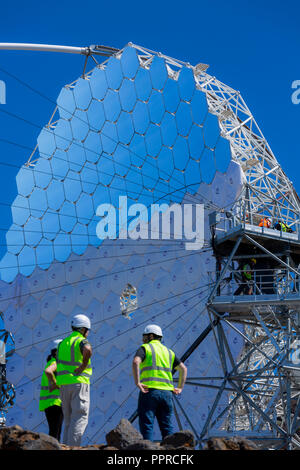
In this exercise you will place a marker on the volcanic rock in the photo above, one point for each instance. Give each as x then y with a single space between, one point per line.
183 438
123 435
144 445
236 443
16 438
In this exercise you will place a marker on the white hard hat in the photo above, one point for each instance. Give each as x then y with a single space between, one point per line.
81 321
155 329
55 344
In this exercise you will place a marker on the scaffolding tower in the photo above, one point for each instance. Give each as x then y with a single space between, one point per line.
262 385
259 392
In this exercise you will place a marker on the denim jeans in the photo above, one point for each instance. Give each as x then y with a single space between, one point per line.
159 404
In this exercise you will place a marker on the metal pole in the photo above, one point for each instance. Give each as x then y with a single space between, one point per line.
199 340
271 254
89 50
13 46
237 244
288 391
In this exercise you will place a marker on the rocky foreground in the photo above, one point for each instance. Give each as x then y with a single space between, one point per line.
123 437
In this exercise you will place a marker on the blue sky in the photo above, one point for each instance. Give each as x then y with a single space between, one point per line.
252 46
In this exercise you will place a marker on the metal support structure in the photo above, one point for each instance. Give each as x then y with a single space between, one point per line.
272 255
88 50
268 193
268 190
263 403
222 274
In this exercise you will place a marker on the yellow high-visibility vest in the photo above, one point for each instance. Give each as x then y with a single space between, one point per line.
69 357
48 398
156 369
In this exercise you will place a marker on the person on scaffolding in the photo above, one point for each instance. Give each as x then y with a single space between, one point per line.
283 227
247 272
265 222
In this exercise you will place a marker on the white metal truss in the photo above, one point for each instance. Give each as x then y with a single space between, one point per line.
264 399
270 191
262 386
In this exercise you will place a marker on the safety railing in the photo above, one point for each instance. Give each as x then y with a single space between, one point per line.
228 220
277 283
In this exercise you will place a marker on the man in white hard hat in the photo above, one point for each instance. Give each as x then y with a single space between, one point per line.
152 371
73 377
50 401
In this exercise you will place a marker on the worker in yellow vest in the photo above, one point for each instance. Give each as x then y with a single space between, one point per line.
50 401
73 377
152 368
247 274
283 227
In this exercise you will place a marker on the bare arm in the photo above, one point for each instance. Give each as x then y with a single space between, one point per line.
86 355
136 374
182 378
49 371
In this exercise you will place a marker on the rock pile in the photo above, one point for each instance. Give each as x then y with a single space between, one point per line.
123 437
126 437
235 443
16 438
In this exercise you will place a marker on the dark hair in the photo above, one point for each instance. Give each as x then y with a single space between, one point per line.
154 336
157 337
78 328
52 355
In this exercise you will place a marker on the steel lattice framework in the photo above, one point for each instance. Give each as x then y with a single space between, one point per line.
270 191
261 406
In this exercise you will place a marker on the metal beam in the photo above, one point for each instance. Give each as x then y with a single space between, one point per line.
199 340
87 50
271 254
237 244
13 46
